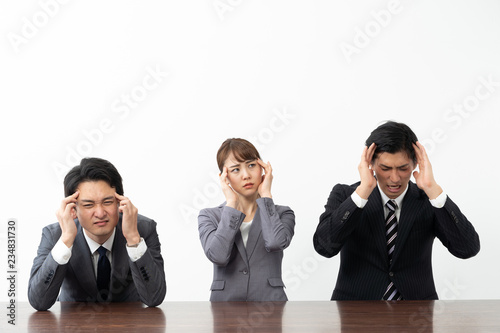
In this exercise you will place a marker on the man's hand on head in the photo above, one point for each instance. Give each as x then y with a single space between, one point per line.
368 181
129 220
65 216
425 177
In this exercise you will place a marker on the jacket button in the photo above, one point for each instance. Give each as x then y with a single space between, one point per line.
391 274
245 272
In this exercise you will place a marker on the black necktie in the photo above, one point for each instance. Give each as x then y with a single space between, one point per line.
391 232
103 273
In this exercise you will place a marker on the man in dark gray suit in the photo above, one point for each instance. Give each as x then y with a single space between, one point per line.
384 226
101 249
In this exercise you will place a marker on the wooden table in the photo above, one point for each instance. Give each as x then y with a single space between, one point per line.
341 316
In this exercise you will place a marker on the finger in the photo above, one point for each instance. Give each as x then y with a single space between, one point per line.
120 197
419 154
224 182
223 175
422 150
269 171
71 198
68 200
261 163
69 208
269 166
266 166
363 154
371 152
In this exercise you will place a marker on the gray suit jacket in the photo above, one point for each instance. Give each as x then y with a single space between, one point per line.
143 280
252 273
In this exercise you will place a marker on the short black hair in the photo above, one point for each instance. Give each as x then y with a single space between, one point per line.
392 137
92 169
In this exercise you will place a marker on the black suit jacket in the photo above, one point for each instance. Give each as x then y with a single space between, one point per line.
142 280
359 235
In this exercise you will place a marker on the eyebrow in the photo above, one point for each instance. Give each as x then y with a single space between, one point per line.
107 198
398 167
247 161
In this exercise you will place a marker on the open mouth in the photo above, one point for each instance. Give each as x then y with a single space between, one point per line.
394 188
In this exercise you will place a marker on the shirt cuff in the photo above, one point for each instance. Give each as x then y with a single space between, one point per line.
360 202
439 201
61 253
136 252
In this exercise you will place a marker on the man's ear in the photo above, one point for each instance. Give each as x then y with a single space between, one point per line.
73 213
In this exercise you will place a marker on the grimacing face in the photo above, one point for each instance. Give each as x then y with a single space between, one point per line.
244 177
97 209
393 172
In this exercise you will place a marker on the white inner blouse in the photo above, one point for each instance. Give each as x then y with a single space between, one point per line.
245 229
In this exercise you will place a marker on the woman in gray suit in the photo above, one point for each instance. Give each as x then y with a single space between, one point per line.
245 236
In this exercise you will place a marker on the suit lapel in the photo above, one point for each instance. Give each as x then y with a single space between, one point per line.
254 234
82 265
409 211
375 212
241 247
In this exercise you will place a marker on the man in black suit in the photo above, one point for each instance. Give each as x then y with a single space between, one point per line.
101 249
385 251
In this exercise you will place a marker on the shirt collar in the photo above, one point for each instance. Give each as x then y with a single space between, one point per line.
93 245
399 200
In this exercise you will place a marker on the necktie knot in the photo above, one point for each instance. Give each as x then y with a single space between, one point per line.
102 251
392 205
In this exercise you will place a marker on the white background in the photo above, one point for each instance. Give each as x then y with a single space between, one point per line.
306 81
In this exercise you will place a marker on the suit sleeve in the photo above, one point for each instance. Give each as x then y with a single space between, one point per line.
456 232
46 275
148 271
217 234
340 218
277 228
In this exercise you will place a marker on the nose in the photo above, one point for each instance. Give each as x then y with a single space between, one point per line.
99 211
245 173
394 176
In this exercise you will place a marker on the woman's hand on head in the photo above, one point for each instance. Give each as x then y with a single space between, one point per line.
267 180
231 196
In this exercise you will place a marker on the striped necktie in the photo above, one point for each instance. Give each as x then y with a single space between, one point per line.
391 232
